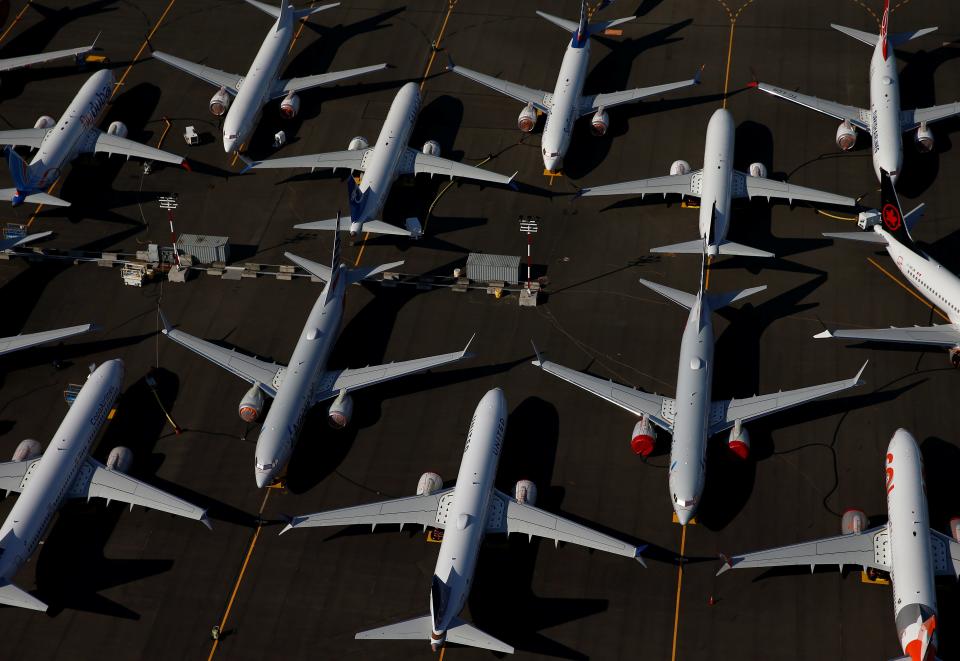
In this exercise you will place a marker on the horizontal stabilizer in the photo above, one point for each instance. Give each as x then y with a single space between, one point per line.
685 248
34 198
365 272
679 297
722 300
740 250
868 38
898 38
419 628
463 633
11 595
866 237
320 271
371 226
726 248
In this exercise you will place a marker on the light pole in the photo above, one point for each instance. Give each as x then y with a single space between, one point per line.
529 224
169 202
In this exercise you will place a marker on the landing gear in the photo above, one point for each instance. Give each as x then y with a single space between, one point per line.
955 356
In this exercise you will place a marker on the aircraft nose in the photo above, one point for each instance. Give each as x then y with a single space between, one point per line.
684 516
229 144
263 478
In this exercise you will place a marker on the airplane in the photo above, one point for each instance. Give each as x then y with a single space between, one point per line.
906 547
692 418
59 142
884 121
11 63
717 184
381 164
25 341
45 480
296 388
891 228
262 82
567 104
465 512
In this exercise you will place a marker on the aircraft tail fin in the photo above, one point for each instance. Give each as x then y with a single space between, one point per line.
891 213
11 595
357 199
19 170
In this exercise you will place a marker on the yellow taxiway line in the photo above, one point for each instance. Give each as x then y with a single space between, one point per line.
145 43
907 288
16 19
676 612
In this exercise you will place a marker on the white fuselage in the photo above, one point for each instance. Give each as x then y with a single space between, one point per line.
688 447
937 284
911 573
71 134
50 479
885 127
301 380
717 179
467 520
565 108
383 164
254 89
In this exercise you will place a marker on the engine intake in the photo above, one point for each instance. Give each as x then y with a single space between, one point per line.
955 528
924 139
955 356
429 483
358 142
341 411
853 521
527 120
644 438
28 450
120 459
679 167
251 406
220 102
739 441
758 170
846 136
290 106
45 122
525 492
600 123
118 129
431 148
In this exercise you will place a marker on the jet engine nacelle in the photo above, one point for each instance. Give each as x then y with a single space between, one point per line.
525 492
527 119
600 123
924 139
45 122
340 411
220 102
251 406
118 129
758 170
290 106
28 450
846 136
853 522
679 167
955 356
431 148
955 528
120 459
429 483
644 438
739 441
358 143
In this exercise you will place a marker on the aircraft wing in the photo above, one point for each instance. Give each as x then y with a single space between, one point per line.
589 104
349 380
11 595
23 137
911 119
268 376
748 186
636 401
284 87
416 162
19 342
541 100
946 554
9 63
351 159
114 144
97 481
229 81
678 184
419 510
856 116
534 522
855 549
12 474
941 335
759 406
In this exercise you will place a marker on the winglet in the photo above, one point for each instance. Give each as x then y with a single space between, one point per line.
638 558
823 334
539 361
469 342
287 527
97 38
249 164
450 63
727 564
204 520
167 327
698 75
860 373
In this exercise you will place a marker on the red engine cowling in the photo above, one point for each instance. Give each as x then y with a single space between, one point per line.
220 102
924 139
527 119
428 484
45 122
600 123
118 129
28 450
955 528
739 441
679 167
525 492
341 411
846 136
120 459
290 106
853 521
644 438
251 406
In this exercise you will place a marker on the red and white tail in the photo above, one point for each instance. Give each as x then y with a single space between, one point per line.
884 22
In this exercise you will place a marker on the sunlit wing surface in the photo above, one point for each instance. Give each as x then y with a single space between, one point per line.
750 187
911 119
25 341
284 87
856 550
9 63
419 163
856 116
114 144
23 137
418 510
943 335
541 100
592 103
351 159
679 184
229 81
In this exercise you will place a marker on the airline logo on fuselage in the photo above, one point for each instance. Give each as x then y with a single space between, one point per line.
89 118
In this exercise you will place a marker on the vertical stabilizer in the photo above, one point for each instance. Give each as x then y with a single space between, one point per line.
583 30
891 214
335 269
884 24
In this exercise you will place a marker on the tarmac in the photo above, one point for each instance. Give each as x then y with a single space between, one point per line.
144 585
